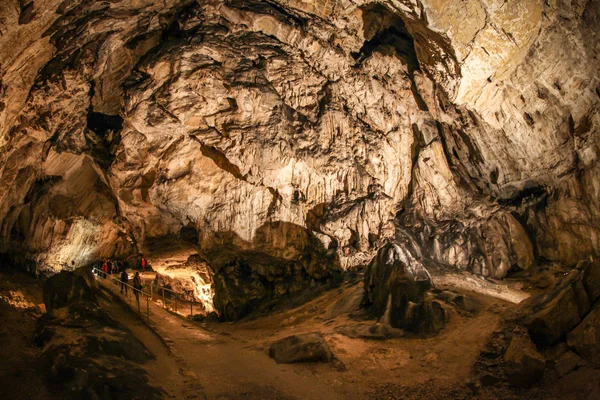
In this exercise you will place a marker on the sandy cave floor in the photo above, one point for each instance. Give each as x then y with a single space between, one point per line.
230 360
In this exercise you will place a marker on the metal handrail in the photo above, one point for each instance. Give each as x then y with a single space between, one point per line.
118 279
118 282
150 296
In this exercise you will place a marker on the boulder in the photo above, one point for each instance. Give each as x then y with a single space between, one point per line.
424 318
88 354
556 313
396 290
591 279
463 303
524 365
377 331
308 347
66 288
567 363
209 317
87 274
253 278
585 339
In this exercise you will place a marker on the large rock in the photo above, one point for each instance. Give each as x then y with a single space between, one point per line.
524 365
66 288
396 287
585 339
88 354
567 363
591 278
308 347
556 313
254 276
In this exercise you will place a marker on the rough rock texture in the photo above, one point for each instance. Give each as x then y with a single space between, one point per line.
308 347
86 353
397 290
585 339
524 365
567 363
560 326
559 311
66 288
179 267
471 125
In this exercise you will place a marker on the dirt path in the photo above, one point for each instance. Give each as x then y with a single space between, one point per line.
165 371
224 367
441 363
230 361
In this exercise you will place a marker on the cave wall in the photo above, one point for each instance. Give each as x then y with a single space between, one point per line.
468 128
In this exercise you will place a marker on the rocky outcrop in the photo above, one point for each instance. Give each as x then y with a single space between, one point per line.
524 364
559 311
308 347
397 291
64 289
585 339
284 260
87 354
557 328
459 122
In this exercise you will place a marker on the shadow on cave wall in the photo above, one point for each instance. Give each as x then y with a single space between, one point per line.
385 30
279 265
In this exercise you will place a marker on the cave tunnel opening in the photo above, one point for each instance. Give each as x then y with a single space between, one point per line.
189 234
101 123
108 130
384 30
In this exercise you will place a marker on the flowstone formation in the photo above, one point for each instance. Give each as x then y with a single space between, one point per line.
397 290
264 127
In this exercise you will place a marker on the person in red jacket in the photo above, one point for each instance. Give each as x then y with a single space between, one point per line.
144 264
105 268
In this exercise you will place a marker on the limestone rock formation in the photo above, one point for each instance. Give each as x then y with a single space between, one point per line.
559 311
308 347
524 365
64 289
558 327
568 362
87 354
261 126
585 339
396 290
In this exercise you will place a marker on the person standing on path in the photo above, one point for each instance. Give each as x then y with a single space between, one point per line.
137 285
124 280
105 269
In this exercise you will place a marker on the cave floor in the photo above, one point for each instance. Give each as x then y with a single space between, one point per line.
19 375
230 360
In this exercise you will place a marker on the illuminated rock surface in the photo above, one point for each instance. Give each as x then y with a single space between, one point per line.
468 129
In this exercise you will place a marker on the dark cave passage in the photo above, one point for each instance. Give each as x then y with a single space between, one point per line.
384 30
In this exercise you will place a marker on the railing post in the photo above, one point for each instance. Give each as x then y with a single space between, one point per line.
163 297
148 308
192 307
176 303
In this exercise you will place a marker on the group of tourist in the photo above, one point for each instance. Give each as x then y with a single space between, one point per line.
110 267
